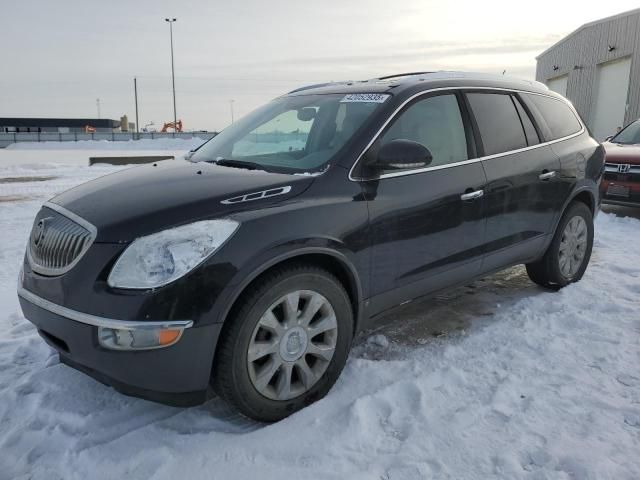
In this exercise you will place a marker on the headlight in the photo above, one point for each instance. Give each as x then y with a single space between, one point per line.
161 258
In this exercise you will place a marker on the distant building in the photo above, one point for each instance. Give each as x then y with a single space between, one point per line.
597 67
58 125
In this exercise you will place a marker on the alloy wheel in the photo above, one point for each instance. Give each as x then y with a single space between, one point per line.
573 246
292 345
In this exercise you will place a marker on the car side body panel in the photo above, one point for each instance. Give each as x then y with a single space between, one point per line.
421 228
520 206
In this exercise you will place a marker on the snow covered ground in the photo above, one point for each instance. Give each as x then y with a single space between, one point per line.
36 155
497 380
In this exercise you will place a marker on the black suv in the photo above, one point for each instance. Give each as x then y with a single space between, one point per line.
251 266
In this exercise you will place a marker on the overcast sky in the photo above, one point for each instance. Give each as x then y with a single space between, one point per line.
57 57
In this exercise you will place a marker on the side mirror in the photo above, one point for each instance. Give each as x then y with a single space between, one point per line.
402 154
306 114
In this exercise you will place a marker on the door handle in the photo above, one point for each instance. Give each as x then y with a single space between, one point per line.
472 195
547 175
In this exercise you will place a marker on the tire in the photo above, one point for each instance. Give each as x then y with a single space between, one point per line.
242 372
552 271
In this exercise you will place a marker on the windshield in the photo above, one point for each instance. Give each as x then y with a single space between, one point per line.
291 134
630 135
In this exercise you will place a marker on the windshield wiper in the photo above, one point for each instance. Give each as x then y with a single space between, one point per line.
239 164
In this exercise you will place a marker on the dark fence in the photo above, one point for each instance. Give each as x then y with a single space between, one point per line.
9 138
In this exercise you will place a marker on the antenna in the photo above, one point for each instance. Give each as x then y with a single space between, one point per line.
98 106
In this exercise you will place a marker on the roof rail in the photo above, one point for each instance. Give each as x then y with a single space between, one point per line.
387 77
315 85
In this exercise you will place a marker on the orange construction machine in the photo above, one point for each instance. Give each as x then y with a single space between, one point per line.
177 126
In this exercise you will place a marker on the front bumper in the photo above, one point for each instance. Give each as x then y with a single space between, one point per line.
628 182
621 203
175 375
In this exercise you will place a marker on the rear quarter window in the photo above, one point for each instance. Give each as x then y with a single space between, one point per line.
559 118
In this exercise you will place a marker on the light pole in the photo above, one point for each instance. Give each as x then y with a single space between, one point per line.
173 78
231 105
135 94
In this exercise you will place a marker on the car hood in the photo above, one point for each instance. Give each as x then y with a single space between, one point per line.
142 200
618 153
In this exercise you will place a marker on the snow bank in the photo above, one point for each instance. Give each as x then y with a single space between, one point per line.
143 144
47 159
540 386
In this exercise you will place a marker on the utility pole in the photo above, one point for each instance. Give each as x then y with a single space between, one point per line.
135 94
173 78
231 105
98 106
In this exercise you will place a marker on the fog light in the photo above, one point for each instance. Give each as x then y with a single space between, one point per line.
138 338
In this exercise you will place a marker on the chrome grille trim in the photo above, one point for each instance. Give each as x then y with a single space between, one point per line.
249 197
613 167
69 238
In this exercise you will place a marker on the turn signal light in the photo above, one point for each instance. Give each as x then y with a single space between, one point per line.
168 337
138 338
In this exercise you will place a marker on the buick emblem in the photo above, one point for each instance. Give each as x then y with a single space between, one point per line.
624 168
39 231
294 343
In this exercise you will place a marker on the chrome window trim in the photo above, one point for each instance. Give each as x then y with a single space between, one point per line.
97 321
54 272
464 162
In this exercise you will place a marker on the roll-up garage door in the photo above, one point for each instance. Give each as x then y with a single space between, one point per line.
612 90
559 84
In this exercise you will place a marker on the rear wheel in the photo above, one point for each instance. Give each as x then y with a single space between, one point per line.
286 343
567 258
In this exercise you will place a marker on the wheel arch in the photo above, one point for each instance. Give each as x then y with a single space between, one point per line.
331 260
585 196
582 194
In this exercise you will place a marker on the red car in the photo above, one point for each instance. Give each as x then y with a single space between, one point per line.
621 182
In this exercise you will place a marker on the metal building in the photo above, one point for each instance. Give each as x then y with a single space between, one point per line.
597 67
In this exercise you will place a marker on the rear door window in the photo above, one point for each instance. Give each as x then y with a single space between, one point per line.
498 122
558 116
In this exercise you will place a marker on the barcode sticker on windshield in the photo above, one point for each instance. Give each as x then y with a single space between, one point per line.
365 98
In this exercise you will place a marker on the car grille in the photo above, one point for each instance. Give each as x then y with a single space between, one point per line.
622 168
57 242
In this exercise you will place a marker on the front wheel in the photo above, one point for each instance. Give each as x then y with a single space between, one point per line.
567 258
286 343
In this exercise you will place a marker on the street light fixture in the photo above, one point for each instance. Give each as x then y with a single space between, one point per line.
173 78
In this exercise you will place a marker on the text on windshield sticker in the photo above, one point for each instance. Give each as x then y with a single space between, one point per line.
364 98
